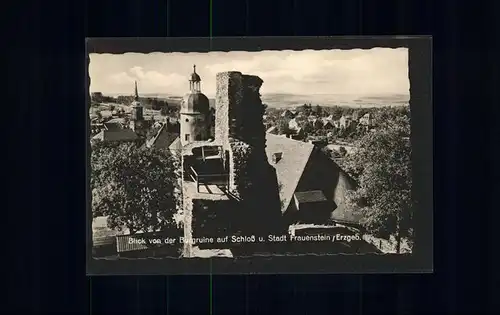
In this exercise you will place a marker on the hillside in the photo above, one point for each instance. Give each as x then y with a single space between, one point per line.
288 100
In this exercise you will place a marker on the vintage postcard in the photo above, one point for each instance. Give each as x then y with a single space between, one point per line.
269 160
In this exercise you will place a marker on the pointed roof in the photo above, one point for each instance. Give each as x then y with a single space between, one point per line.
136 102
289 169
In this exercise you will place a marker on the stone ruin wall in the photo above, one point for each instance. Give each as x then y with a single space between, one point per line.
239 118
228 98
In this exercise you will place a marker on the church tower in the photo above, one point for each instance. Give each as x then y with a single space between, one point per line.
194 113
137 117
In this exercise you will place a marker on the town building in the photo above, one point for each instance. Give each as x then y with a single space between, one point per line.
114 130
294 124
317 123
288 114
121 135
302 170
366 120
137 122
195 113
345 121
328 124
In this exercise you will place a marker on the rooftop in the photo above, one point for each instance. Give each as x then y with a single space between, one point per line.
113 126
290 166
116 135
162 139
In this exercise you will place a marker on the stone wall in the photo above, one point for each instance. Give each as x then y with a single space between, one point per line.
239 126
228 98
251 127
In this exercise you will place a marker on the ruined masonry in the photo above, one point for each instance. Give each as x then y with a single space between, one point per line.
210 175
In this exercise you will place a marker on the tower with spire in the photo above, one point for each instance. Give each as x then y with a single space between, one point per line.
194 113
137 117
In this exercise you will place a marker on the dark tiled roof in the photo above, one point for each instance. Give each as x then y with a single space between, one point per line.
290 167
113 126
116 135
310 196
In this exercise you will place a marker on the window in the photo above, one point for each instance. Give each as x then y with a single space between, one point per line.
187 137
187 120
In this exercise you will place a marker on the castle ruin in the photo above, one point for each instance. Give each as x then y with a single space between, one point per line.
229 187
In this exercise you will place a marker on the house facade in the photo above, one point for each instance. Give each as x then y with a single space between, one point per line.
366 120
345 121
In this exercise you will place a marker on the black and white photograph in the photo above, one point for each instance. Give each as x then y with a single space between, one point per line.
227 155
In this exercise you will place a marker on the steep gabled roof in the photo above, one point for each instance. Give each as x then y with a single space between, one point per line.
176 146
290 167
162 139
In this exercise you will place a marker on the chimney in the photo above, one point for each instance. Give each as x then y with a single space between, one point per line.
277 157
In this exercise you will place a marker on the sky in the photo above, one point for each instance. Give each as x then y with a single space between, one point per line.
377 71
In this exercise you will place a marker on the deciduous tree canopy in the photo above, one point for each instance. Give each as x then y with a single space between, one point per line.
134 187
382 166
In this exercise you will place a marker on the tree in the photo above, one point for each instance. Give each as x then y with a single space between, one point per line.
318 111
164 111
135 187
342 151
306 109
96 97
283 127
308 128
336 112
382 166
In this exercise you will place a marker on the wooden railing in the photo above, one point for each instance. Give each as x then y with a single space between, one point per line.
207 178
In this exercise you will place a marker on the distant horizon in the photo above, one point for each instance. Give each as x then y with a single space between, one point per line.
262 94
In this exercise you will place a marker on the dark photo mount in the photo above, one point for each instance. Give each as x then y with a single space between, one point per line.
249 133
